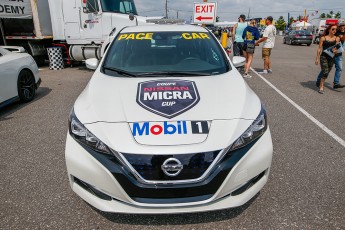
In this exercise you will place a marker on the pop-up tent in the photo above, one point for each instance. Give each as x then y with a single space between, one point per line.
302 25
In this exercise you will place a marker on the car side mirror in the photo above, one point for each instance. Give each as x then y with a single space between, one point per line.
92 63
238 61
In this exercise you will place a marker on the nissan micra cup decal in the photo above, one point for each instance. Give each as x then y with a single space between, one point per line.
167 98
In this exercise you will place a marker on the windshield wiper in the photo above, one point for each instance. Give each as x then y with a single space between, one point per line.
120 71
169 73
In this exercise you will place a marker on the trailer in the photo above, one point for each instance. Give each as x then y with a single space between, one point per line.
78 26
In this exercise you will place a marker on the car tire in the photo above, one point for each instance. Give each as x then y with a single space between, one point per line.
308 44
26 86
284 41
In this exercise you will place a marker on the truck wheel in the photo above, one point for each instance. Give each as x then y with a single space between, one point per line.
26 86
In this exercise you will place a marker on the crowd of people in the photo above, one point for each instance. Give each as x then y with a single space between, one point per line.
245 37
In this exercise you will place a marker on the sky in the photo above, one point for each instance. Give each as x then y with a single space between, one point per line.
229 10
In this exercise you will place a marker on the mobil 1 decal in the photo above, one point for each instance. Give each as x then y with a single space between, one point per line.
170 132
167 98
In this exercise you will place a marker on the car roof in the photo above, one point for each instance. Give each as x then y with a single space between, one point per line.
166 28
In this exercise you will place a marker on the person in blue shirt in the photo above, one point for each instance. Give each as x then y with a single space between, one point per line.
250 35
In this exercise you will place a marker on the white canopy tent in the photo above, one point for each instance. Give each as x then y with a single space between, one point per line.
302 25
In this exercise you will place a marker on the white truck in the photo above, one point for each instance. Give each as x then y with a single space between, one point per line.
79 26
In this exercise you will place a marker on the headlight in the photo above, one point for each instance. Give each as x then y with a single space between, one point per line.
78 131
257 128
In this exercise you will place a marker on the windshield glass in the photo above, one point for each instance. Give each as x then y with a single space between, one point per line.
303 32
119 6
165 53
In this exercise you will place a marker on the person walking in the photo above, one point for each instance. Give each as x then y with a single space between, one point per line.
268 38
250 35
326 61
338 59
237 39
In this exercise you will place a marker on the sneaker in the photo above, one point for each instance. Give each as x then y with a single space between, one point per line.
269 71
263 72
337 86
246 75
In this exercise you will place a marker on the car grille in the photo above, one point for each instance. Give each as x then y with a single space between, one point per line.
149 167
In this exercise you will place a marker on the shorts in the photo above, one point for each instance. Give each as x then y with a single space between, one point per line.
238 48
266 52
249 48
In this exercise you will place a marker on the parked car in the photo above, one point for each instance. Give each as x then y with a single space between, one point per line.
18 77
167 125
298 37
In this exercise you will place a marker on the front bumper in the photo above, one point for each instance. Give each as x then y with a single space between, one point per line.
85 170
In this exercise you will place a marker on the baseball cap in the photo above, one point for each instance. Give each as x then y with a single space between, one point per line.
341 23
242 16
270 18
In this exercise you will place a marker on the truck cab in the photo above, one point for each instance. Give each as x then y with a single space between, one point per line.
86 24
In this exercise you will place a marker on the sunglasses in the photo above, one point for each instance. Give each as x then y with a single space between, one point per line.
334 29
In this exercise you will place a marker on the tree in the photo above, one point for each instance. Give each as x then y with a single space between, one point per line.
217 19
291 20
280 23
330 14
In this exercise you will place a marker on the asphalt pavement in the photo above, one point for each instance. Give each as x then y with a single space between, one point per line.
306 187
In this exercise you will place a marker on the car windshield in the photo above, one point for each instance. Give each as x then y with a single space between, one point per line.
119 6
303 32
165 54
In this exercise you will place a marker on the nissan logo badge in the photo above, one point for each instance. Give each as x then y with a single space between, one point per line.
172 167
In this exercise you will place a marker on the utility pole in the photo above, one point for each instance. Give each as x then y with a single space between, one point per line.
177 14
166 9
248 13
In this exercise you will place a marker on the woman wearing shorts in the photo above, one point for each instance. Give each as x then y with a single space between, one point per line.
250 35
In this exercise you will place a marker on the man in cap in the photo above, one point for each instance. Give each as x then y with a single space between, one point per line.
269 39
237 39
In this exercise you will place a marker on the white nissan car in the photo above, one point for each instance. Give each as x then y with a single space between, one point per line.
167 125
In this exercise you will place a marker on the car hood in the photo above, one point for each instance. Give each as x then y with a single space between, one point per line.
115 99
206 112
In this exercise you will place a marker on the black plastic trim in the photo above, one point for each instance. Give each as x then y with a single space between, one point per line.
170 193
